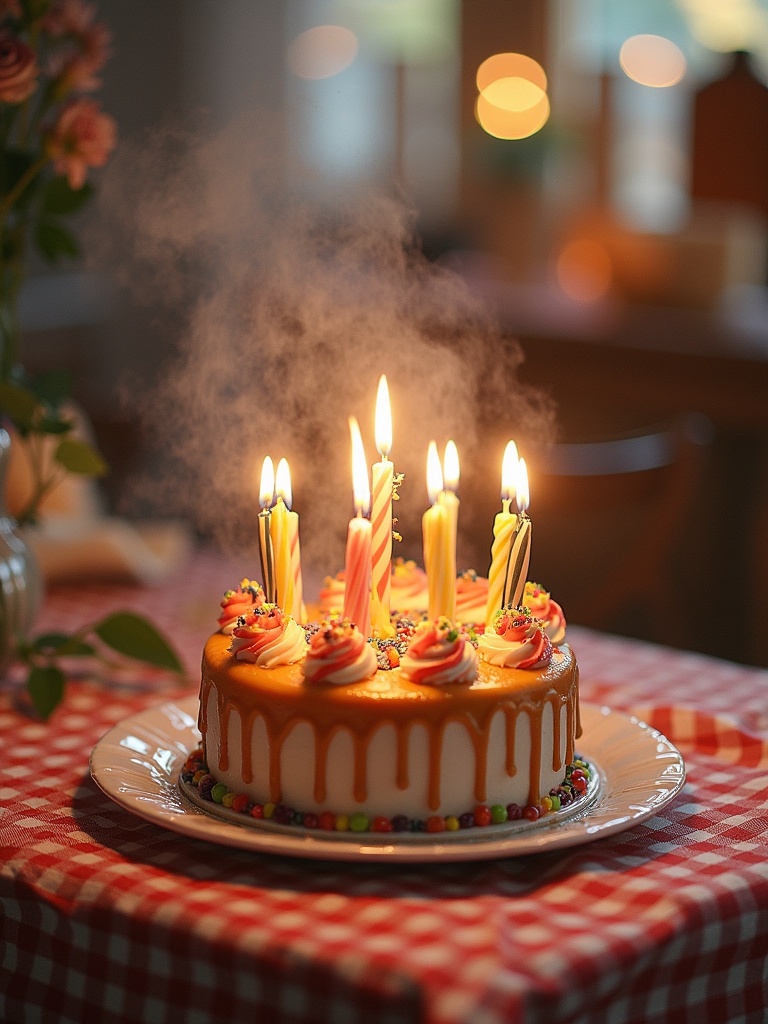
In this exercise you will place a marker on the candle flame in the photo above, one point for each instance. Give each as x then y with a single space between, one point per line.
509 471
283 482
451 471
267 485
523 492
361 488
434 473
383 429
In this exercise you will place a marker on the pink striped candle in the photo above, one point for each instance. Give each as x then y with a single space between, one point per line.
357 589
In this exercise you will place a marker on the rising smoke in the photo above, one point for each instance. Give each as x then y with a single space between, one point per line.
287 304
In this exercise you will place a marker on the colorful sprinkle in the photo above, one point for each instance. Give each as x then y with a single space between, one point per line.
575 784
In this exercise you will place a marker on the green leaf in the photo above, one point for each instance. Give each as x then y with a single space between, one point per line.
79 457
132 635
52 387
53 425
45 686
54 241
19 404
61 199
60 645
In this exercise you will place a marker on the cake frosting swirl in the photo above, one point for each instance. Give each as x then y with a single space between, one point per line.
267 637
339 653
538 601
471 597
515 639
439 654
247 595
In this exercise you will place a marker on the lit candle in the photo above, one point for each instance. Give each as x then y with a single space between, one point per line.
357 589
292 587
281 545
520 553
266 497
504 527
439 563
449 495
381 517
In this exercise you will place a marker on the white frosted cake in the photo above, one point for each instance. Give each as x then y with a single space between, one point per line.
437 728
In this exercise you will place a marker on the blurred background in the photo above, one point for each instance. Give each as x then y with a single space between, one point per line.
588 183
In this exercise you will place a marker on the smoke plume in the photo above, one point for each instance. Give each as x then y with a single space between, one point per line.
286 302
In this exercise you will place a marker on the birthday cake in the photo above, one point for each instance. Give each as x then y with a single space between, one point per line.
435 727
420 700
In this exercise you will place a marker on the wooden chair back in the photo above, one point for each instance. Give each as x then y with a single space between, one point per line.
607 519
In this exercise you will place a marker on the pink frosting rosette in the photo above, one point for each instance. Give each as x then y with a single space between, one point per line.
267 637
471 597
246 596
439 654
537 600
515 640
332 595
339 653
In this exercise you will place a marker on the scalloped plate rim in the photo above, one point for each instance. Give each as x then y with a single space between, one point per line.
144 781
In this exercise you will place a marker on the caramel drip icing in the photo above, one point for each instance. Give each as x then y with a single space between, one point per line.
535 715
510 723
282 700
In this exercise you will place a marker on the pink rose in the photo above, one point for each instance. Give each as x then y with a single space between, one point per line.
82 137
18 70
76 66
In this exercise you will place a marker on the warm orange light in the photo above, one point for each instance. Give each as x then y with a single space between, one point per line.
652 60
510 65
509 471
322 51
523 491
451 469
513 93
584 270
267 484
361 488
283 483
511 124
383 427
434 473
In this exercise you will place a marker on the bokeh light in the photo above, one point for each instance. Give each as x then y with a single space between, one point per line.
513 93
322 51
725 27
512 101
584 270
511 124
510 65
652 60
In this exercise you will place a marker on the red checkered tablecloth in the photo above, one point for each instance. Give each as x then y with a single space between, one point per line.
107 917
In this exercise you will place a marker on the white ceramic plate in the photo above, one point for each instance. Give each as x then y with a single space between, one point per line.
138 762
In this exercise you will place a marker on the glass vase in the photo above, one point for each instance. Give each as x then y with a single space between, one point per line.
21 584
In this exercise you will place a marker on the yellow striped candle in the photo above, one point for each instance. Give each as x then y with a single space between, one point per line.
381 517
439 560
357 589
449 494
281 541
266 497
504 527
520 554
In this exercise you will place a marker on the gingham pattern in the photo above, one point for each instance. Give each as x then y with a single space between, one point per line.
109 918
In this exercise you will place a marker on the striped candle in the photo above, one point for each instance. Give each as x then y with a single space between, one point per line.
357 589
504 527
381 518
